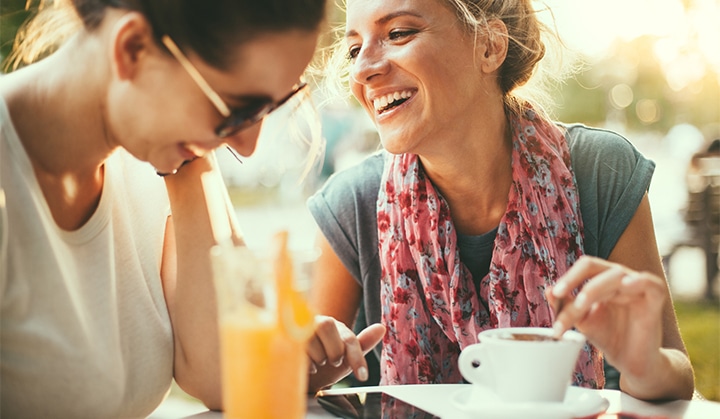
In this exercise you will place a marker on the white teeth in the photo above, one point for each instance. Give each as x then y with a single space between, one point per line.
381 103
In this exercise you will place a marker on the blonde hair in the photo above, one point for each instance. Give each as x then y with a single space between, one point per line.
306 131
536 59
55 22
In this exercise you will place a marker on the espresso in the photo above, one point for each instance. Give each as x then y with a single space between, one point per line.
530 337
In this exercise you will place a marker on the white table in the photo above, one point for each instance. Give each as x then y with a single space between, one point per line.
435 399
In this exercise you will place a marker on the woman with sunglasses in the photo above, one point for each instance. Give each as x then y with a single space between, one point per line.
105 297
481 212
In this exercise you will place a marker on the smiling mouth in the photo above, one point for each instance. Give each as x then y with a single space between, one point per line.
391 100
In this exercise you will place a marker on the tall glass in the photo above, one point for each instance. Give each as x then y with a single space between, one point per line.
264 324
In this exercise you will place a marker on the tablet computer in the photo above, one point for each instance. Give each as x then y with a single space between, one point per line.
370 405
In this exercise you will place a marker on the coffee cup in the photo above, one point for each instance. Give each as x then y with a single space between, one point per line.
521 364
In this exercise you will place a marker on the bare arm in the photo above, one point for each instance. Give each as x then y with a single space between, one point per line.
626 310
189 290
673 377
335 350
335 292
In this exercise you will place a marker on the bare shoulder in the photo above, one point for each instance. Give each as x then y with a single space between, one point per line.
13 84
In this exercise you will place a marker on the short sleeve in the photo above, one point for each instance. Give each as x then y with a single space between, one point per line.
345 211
612 177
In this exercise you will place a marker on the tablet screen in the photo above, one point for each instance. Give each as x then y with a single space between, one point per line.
374 405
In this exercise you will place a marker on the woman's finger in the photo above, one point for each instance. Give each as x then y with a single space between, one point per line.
371 336
326 346
312 369
622 287
601 287
367 339
335 345
652 287
585 267
354 356
316 352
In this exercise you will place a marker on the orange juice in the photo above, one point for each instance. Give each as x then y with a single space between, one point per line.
264 371
264 323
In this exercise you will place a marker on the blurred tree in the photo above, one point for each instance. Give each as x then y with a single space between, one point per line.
661 96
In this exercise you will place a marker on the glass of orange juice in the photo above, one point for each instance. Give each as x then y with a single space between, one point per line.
264 324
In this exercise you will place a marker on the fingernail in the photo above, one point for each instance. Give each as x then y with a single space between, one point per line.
362 374
580 301
313 368
323 362
558 290
628 279
338 362
557 329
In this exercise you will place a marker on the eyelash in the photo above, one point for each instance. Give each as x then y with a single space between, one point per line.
401 33
394 35
352 53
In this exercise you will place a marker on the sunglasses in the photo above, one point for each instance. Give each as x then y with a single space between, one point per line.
236 119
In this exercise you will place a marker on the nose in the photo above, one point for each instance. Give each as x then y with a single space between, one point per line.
245 141
369 63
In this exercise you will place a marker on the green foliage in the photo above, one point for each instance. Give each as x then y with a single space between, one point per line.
587 97
12 16
700 328
579 101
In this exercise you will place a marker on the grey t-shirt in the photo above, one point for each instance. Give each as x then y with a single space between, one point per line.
612 178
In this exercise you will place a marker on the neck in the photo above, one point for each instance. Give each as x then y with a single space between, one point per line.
65 92
58 109
474 176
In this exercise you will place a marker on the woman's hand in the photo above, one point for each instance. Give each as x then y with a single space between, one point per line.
335 351
620 311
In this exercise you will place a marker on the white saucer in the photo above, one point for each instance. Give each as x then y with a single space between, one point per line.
579 402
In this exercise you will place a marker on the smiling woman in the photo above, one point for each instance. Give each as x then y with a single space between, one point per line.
106 274
484 212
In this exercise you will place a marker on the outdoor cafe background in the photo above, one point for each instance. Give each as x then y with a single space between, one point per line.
650 71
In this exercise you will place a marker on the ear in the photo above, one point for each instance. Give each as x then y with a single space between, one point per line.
493 46
132 41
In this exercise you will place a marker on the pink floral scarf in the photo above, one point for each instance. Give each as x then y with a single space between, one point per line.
430 306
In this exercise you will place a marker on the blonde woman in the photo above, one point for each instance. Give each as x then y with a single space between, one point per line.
480 212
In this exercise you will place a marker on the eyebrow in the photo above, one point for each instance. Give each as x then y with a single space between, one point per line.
386 19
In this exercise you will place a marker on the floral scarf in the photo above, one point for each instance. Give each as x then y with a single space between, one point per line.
429 303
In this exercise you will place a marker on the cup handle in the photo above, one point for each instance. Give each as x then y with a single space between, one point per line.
470 362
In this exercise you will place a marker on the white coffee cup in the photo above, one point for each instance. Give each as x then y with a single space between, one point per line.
517 370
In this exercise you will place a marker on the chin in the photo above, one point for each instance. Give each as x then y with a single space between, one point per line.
394 146
398 141
165 167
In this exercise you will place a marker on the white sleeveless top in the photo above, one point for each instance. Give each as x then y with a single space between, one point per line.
84 329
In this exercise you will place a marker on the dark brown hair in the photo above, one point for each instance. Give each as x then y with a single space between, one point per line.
210 28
